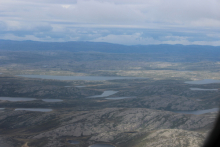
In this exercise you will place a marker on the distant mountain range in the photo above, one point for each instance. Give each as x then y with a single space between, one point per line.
108 47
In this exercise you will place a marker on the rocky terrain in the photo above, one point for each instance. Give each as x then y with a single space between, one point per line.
112 125
172 95
146 117
172 137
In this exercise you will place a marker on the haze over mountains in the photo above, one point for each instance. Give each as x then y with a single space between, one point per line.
81 46
163 52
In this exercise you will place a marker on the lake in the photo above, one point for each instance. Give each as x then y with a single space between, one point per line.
104 94
118 98
2 108
205 81
203 89
73 142
197 112
34 109
16 99
80 86
52 100
87 78
101 145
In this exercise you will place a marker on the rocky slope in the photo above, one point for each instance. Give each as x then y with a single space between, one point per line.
119 125
172 138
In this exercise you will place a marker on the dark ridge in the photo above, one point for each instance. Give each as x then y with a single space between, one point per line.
79 46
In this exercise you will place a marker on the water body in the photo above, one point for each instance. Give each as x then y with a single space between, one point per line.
73 142
2 109
104 94
16 99
19 99
197 112
87 78
67 86
52 100
203 89
34 109
80 86
205 81
101 145
118 98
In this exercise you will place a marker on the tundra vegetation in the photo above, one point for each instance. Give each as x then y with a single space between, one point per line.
151 104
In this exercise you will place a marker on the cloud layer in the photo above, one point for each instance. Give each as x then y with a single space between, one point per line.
125 22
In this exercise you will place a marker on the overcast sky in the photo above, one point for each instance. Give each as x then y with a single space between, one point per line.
128 22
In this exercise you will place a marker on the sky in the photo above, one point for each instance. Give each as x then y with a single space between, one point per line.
128 22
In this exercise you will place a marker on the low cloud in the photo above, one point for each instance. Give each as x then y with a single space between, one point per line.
133 39
181 22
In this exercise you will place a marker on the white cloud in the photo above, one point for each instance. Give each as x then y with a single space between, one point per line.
213 43
34 38
57 16
133 39
215 35
136 39
19 38
65 6
132 12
